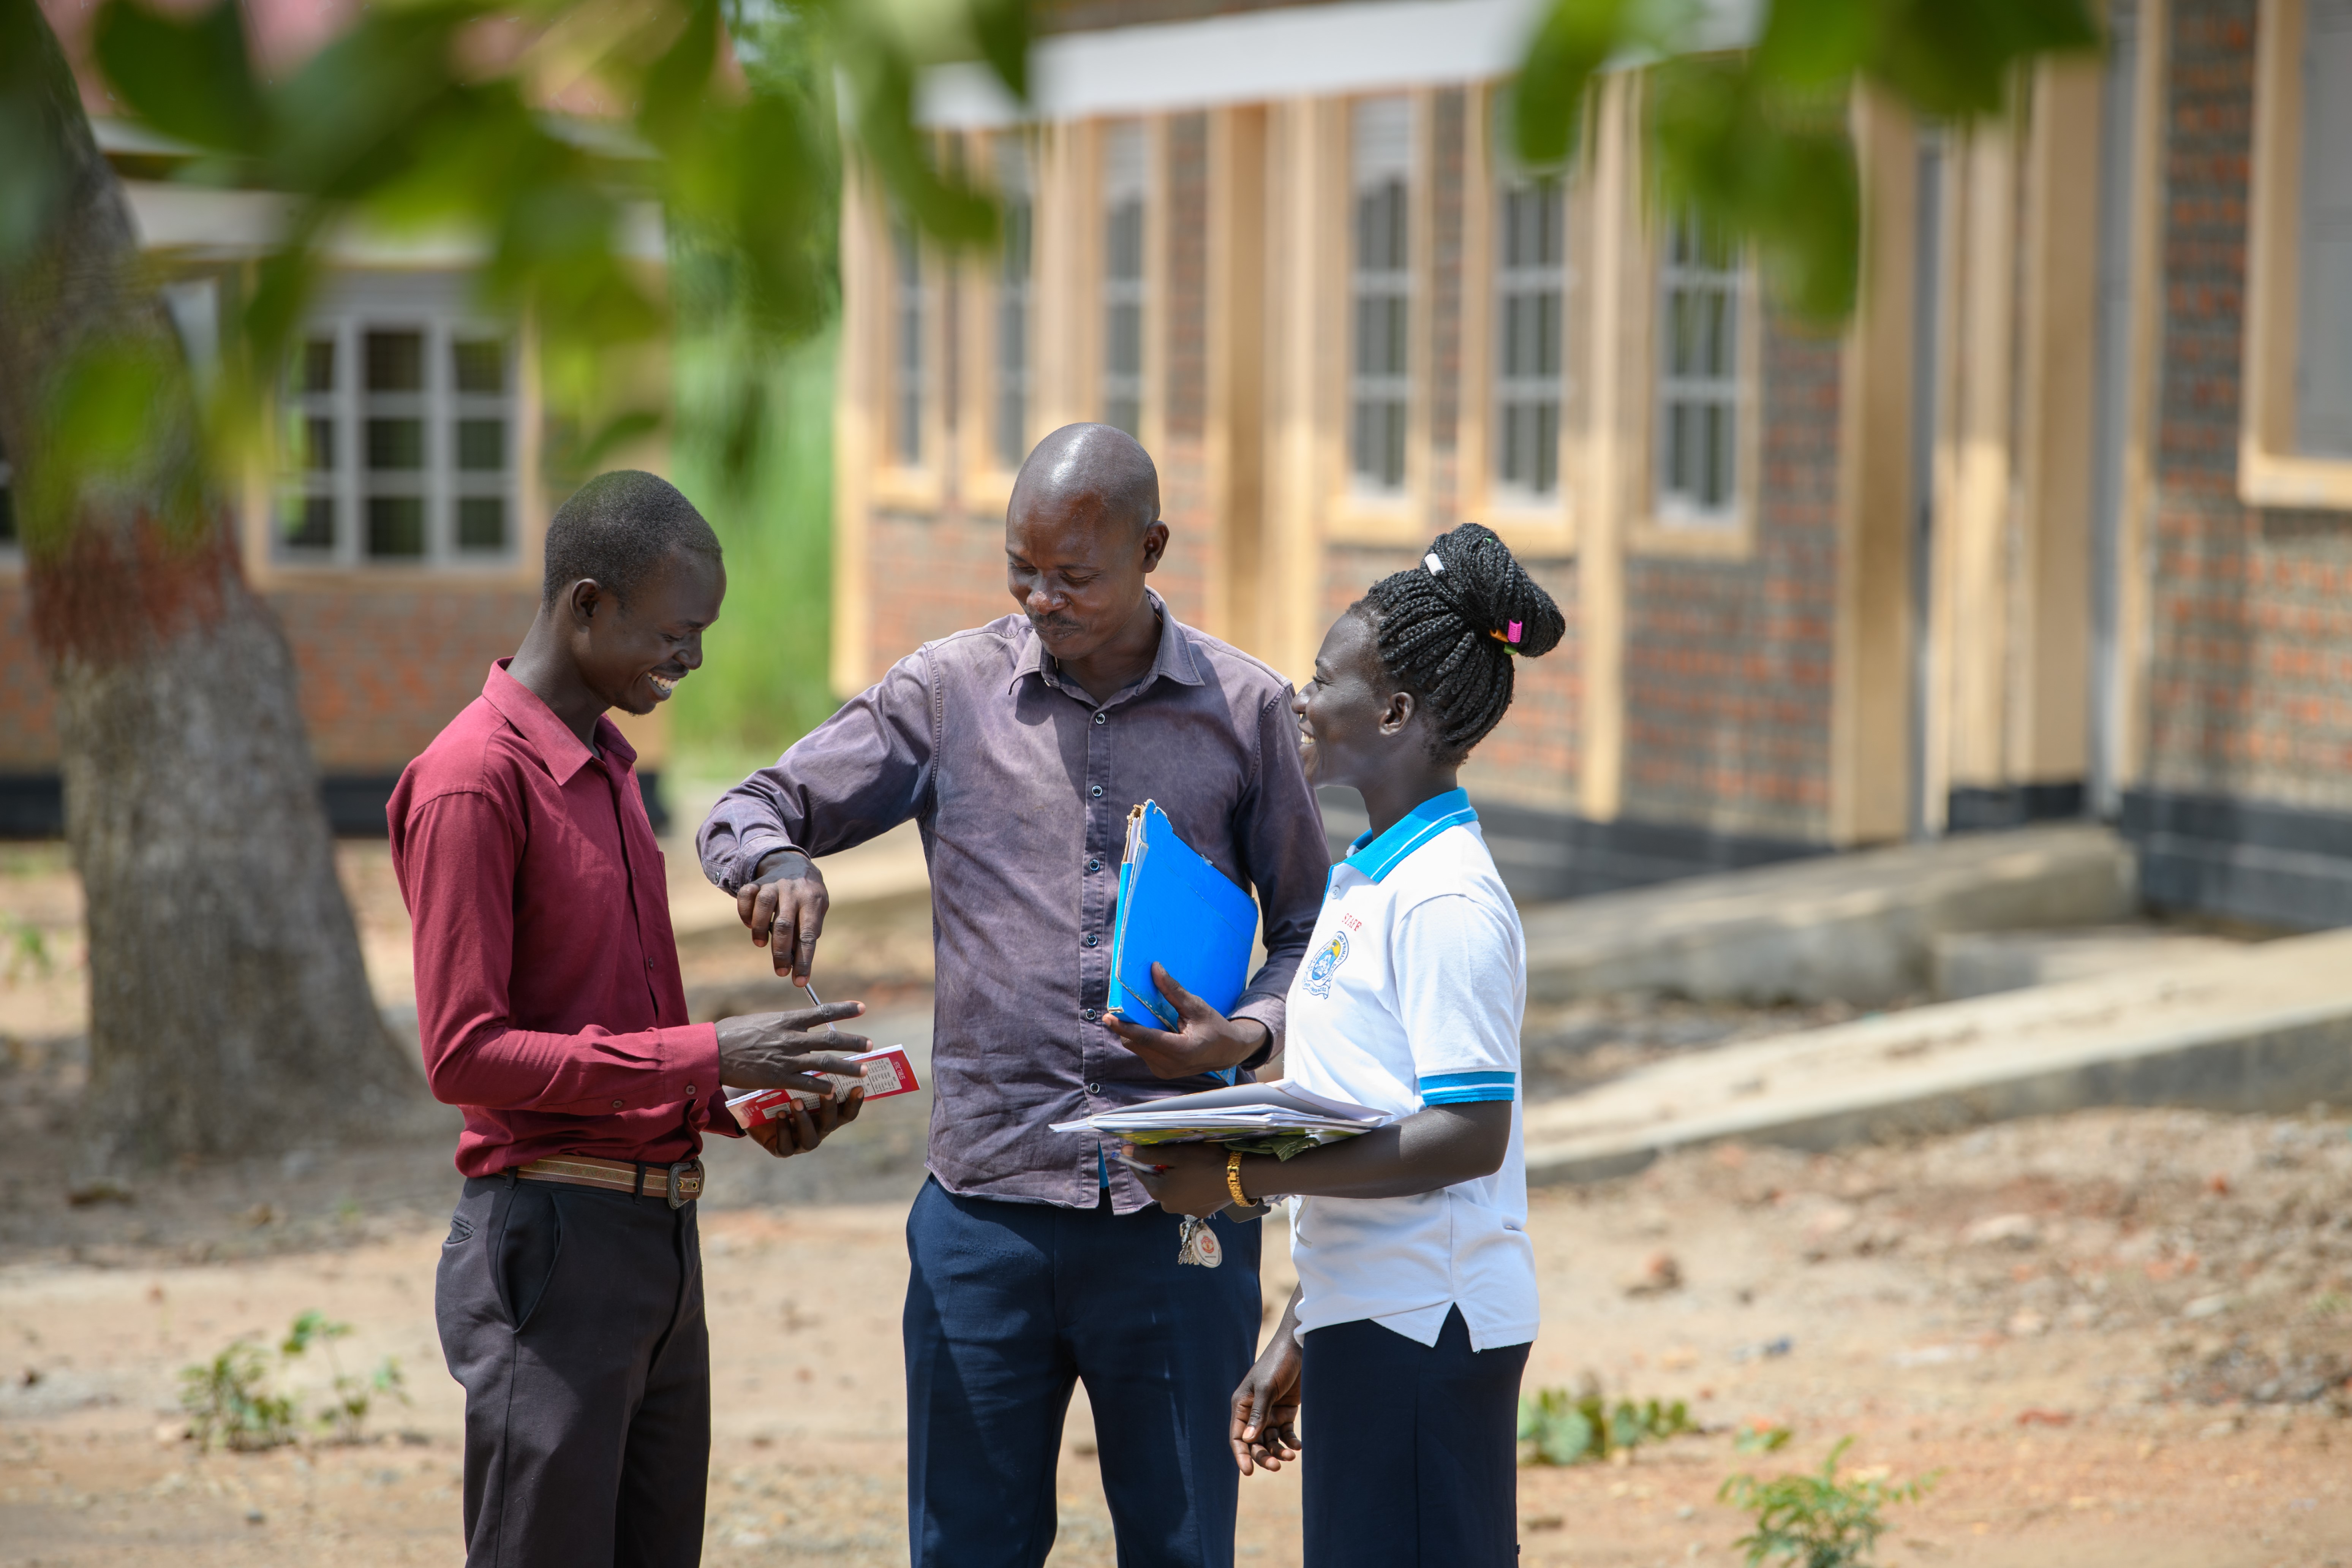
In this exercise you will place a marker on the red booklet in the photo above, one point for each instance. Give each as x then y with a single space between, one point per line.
887 1072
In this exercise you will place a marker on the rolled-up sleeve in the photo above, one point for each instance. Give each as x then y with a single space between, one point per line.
1280 829
854 777
459 855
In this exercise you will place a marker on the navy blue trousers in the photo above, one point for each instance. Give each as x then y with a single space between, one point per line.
1009 1308
1410 1450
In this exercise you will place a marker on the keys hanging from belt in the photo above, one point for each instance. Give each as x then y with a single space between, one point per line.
1197 1244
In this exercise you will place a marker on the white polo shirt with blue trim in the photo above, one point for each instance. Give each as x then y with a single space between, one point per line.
1412 995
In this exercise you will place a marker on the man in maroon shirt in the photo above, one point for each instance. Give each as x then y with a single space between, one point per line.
549 1000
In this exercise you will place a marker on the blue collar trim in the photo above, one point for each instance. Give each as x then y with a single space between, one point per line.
1376 857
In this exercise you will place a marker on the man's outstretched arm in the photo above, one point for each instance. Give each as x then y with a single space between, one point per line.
854 777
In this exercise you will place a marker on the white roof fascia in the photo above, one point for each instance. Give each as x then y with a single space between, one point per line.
211 223
1263 57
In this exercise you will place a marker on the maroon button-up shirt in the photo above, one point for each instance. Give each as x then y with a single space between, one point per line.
1021 784
547 993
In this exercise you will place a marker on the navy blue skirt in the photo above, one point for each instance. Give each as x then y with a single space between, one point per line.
1411 1451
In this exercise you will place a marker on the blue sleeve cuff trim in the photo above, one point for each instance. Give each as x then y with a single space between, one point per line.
1465 1087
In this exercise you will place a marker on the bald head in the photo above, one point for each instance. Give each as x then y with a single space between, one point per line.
1097 472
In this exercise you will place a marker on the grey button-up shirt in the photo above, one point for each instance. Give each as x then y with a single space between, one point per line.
1022 784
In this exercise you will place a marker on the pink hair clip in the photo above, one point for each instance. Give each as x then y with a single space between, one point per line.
1512 637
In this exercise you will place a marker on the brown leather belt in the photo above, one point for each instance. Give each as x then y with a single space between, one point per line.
680 1183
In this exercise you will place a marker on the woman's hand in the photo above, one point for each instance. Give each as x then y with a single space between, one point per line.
1264 1432
1205 1040
1182 1178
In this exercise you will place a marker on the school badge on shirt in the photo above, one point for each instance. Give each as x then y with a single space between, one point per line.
1326 964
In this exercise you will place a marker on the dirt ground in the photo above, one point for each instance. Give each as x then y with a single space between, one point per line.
2112 1338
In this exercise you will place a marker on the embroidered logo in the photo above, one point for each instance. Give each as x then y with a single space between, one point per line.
1327 963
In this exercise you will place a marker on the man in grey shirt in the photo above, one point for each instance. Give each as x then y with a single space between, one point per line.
1019 747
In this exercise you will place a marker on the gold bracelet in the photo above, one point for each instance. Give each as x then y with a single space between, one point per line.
1233 1177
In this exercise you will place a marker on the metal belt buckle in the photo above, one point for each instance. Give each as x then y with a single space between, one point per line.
678 1196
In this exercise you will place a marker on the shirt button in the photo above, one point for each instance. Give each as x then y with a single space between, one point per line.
1092 939
1093 865
1095 790
1093 1088
617 1105
690 1092
1091 1014
649 964
1102 717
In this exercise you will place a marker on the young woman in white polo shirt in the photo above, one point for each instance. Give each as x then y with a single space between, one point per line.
1416 1301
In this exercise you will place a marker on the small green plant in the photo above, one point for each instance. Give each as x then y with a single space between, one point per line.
1756 1434
229 1404
1556 1428
29 950
1817 1520
229 1400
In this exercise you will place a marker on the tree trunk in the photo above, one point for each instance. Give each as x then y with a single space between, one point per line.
229 1011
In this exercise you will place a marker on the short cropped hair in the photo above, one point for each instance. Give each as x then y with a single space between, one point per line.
617 529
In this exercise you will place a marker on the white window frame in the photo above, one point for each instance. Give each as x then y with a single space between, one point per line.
1524 287
1382 136
910 344
1012 354
1712 382
438 307
1120 392
2274 467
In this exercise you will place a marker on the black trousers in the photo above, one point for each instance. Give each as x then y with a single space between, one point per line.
1410 1450
573 1320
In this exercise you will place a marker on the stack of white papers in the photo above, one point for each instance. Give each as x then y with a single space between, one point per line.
1244 1110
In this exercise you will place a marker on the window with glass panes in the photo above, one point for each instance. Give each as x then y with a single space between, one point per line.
906 363
1530 239
2322 402
1127 190
1011 421
1697 375
400 431
1380 290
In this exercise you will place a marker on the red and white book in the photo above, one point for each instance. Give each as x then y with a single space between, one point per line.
886 1072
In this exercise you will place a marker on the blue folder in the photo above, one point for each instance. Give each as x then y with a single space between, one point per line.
1177 909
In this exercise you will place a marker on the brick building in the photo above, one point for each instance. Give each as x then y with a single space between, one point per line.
2059 523
397 532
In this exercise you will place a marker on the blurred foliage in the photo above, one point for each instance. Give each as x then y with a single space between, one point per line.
1755 142
1817 1520
1557 1428
555 132
765 677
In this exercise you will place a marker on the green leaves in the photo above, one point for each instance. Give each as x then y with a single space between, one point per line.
1754 143
187 76
1556 1428
1817 1520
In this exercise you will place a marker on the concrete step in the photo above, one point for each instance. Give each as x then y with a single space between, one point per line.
1982 964
1859 927
2263 1029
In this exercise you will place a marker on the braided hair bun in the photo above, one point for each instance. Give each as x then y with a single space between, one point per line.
1449 628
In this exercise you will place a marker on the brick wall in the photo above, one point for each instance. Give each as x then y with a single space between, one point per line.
2252 608
29 726
1728 663
1533 752
381 671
